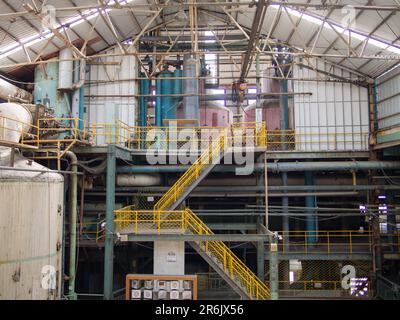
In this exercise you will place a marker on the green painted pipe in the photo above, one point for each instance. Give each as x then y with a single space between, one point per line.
73 213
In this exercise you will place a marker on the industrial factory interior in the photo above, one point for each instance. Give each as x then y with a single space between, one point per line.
199 150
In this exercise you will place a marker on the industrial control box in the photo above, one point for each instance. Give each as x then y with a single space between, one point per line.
153 287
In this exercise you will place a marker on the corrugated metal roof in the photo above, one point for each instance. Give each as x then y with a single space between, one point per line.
297 27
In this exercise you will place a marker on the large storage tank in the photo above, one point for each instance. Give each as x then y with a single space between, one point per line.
31 221
271 114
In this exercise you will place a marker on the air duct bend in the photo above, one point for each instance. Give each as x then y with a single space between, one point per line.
10 92
14 120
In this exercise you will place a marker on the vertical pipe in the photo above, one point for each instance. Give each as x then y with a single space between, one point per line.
310 203
158 113
273 268
286 228
109 242
73 201
191 86
169 111
144 90
177 89
375 97
81 107
260 254
259 110
284 105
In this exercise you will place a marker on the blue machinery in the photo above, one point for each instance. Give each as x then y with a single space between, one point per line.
166 105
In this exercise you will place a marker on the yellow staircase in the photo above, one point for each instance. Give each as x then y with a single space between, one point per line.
216 253
195 174
163 219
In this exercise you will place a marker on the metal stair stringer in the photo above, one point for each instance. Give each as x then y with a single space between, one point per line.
194 175
220 270
193 186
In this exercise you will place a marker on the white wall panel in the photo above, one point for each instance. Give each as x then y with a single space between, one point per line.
335 115
388 96
112 101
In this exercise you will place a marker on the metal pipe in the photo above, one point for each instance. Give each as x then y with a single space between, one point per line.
276 167
310 203
241 189
73 213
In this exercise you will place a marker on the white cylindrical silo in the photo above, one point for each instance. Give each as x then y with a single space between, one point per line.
31 220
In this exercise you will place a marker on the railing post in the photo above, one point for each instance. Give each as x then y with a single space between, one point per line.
305 242
225 260
159 223
136 222
351 243
183 222
329 247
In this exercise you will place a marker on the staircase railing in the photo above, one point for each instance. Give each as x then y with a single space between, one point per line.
193 173
186 222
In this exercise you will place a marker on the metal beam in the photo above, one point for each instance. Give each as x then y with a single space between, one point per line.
109 241
257 21
321 256
198 237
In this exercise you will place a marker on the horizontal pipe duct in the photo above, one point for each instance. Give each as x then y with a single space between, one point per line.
276 167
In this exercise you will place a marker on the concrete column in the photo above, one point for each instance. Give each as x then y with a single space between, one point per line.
109 241
169 258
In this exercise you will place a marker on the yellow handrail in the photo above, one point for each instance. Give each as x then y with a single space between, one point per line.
193 173
187 222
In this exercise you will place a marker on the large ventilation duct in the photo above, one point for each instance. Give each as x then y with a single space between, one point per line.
66 70
138 180
10 92
191 110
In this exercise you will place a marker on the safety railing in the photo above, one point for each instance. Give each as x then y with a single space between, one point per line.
199 138
118 133
56 136
18 133
90 231
208 157
323 288
245 134
330 242
135 221
93 231
252 134
186 222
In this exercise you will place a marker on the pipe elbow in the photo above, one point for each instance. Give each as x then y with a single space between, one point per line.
72 156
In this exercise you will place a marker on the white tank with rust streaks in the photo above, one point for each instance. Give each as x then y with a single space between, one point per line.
31 224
